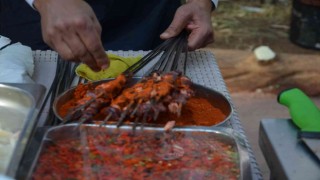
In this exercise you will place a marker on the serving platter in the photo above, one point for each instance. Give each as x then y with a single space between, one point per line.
204 141
214 98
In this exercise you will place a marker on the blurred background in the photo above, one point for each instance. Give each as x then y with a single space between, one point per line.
290 28
245 24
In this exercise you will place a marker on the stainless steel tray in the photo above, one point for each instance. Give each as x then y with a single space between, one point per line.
18 108
217 99
226 135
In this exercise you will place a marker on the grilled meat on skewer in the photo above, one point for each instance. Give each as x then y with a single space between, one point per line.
92 101
151 96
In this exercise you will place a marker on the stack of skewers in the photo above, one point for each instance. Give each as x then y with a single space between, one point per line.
164 88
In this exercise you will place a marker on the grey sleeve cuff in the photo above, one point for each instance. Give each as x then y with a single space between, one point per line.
214 4
30 2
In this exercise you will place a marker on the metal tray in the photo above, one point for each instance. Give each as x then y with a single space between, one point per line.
217 99
226 135
18 107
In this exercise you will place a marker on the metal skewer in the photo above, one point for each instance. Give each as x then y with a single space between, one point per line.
169 51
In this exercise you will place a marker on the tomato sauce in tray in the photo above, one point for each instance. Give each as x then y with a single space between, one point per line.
110 153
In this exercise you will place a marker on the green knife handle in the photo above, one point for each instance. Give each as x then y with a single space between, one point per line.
304 113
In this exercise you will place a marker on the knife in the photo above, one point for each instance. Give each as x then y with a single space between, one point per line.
305 114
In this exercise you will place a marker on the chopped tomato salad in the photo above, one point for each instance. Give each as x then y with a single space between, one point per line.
100 153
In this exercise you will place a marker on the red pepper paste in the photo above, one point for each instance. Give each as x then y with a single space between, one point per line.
79 92
197 111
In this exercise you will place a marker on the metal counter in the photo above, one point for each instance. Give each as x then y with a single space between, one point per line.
286 156
201 68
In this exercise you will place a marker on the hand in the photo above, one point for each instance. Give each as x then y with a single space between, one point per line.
195 16
71 28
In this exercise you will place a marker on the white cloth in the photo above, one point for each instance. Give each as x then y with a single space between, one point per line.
215 2
30 2
16 64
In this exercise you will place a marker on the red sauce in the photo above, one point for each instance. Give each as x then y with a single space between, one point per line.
109 154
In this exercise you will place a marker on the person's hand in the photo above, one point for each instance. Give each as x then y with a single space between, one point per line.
195 16
71 28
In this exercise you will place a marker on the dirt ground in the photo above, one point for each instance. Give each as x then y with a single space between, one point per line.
241 25
246 24
252 108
